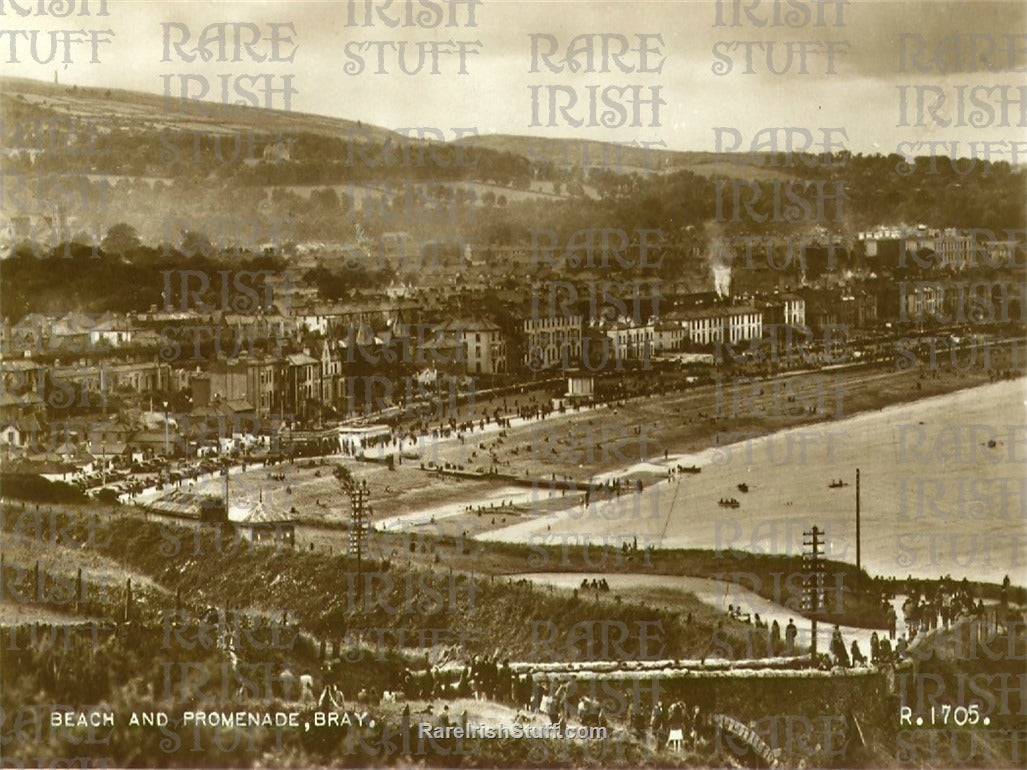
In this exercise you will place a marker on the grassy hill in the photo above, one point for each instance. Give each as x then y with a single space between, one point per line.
323 594
136 110
141 110
624 159
149 664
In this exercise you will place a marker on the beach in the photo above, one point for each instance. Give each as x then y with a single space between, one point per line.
942 492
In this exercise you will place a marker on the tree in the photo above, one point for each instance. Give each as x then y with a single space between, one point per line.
345 478
121 239
327 199
196 244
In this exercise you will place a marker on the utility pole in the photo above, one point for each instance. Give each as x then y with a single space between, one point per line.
165 430
859 561
224 472
813 541
360 512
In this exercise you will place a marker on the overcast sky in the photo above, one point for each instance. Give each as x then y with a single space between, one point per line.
495 96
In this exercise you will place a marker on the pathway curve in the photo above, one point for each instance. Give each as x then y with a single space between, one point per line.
718 594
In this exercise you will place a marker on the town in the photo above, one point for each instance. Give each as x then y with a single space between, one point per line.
355 446
257 364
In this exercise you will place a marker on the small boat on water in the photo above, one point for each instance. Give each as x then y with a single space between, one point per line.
992 444
728 502
690 469
838 484
743 487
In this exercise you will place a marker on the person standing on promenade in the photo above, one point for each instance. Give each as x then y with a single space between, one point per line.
791 632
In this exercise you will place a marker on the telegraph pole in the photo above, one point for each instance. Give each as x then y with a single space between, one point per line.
359 514
165 430
813 541
859 561
224 472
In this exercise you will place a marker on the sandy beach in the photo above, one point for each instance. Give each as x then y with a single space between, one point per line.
943 491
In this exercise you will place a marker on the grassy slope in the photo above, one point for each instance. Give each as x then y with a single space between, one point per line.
624 159
321 593
138 108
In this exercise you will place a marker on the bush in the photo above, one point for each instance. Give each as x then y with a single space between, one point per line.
29 486
108 496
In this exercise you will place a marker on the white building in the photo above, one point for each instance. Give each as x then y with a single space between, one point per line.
580 385
795 310
111 330
921 300
631 340
669 337
725 323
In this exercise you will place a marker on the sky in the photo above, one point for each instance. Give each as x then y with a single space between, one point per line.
690 55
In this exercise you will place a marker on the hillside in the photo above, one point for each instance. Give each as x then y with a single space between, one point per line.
80 161
624 159
141 110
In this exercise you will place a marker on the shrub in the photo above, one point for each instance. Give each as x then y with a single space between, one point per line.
29 486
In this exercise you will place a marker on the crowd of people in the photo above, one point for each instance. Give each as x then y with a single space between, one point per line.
552 698
676 724
599 585
926 608
468 423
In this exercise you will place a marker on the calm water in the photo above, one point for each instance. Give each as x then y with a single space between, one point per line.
943 492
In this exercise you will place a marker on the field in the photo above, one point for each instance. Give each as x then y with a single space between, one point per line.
366 196
626 159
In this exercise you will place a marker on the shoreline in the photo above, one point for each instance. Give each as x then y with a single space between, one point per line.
656 514
706 447
863 433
